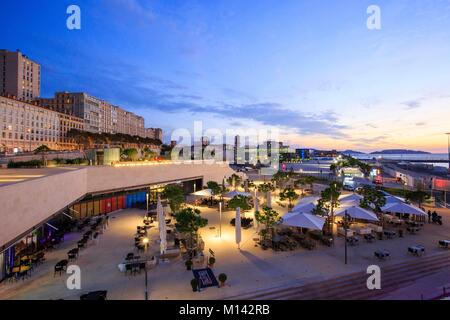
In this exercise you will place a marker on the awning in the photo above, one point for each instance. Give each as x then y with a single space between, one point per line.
303 220
401 207
203 193
232 194
356 212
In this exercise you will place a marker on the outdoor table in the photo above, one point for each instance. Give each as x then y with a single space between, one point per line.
413 230
369 237
94 295
353 240
73 254
390 234
382 254
20 269
61 266
81 243
444 243
416 250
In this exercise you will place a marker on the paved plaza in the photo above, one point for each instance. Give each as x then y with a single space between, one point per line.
248 269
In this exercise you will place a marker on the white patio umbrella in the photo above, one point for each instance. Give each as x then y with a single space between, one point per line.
238 226
308 200
304 207
353 197
256 208
401 207
269 199
303 220
356 212
232 194
203 193
162 226
393 199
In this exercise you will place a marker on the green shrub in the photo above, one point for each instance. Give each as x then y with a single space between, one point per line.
26 164
222 277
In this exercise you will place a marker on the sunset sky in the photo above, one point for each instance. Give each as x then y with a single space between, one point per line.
310 68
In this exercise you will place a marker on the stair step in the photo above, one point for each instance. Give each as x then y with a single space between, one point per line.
351 285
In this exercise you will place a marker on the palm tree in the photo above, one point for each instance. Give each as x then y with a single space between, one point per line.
290 195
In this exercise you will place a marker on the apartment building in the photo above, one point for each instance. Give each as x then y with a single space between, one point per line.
19 76
99 115
154 133
26 126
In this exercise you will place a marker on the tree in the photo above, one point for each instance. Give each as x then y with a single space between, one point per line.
239 202
373 198
268 217
234 180
41 149
280 178
330 200
189 221
175 195
149 154
417 196
216 189
266 187
306 180
290 195
130 154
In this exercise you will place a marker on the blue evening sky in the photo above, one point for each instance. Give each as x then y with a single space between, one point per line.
310 68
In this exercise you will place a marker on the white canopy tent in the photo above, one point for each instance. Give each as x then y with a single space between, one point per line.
353 198
308 200
303 220
393 199
238 226
304 207
232 194
203 193
401 207
256 208
356 212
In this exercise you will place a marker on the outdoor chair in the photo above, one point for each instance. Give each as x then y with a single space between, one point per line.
444 244
382 254
369 237
94 295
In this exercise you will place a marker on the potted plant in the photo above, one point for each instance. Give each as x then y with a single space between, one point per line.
194 284
211 262
222 279
188 264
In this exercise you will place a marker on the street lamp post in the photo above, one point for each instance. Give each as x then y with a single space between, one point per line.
448 146
220 219
345 231
146 241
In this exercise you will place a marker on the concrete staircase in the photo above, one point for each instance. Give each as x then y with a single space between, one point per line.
353 286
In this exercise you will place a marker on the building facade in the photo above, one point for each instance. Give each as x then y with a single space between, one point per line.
154 133
26 126
99 115
19 76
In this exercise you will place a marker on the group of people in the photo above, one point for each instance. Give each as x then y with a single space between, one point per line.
433 217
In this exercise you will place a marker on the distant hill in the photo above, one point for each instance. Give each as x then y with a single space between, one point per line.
400 151
351 152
